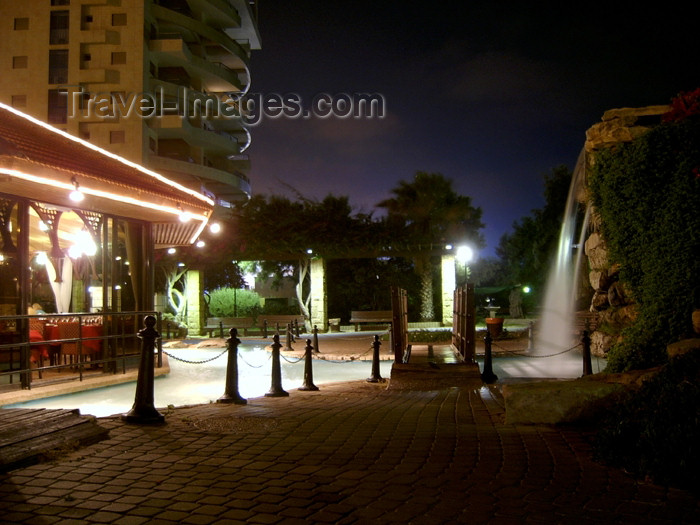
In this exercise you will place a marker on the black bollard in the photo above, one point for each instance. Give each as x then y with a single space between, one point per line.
221 329
276 389
586 342
144 410
289 337
296 328
265 329
488 376
308 369
316 350
376 376
231 394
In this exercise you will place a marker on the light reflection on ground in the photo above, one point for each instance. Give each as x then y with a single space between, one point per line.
190 384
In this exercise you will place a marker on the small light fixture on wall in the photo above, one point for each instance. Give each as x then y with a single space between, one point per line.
184 216
76 195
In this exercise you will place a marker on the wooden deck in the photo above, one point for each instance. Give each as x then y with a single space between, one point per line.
28 436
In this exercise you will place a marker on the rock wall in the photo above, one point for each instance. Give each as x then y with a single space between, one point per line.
610 301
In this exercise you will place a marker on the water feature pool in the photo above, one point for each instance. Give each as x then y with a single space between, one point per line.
189 384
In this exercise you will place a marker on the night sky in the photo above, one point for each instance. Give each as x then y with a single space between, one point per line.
491 94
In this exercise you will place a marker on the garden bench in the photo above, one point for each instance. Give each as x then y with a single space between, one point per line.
358 317
226 323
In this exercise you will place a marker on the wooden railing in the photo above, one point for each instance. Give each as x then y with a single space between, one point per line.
463 323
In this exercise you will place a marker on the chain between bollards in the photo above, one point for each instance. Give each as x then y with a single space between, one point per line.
231 394
276 389
144 410
488 376
376 375
308 369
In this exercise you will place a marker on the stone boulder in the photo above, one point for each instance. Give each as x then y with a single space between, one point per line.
599 279
569 401
555 402
596 251
683 347
601 343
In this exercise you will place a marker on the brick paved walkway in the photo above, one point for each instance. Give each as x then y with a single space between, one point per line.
349 453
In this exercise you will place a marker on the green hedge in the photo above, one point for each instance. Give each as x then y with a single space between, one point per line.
232 302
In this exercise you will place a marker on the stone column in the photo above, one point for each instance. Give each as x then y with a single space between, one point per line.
449 283
319 300
194 280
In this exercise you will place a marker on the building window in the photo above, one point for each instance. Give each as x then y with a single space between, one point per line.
87 57
117 137
60 2
58 66
87 19
21 24
20 62
58 106
58 28
118 57
19 101
119 19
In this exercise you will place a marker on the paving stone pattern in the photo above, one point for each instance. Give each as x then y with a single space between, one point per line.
349 453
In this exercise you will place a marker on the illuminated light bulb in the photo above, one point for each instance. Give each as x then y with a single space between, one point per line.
76 195
215 227
184 216
200 244
171 251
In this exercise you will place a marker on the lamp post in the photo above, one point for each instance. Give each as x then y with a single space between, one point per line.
464 255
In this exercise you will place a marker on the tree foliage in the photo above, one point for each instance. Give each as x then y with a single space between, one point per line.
647 194
428 211
527 252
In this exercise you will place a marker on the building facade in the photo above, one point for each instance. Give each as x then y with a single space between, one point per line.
157 82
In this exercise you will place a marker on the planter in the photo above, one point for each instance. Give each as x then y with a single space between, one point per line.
495 326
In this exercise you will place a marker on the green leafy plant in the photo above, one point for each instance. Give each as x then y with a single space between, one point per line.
232 302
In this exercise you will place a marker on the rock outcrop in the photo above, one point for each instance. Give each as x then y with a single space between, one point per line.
611 302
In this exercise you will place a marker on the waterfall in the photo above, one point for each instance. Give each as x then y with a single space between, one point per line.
555 334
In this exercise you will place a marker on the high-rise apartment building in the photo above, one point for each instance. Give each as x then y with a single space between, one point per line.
154 81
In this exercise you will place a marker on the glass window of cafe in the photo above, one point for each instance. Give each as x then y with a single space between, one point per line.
60 260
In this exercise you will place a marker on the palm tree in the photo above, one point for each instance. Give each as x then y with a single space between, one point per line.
428 213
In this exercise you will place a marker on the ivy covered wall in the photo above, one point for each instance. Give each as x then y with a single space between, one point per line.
646 193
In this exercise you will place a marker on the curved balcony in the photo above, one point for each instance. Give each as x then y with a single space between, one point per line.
221 119
215 78
186 24
209 141
228 185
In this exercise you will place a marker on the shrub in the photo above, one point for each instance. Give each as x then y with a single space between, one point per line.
232 302
654 432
